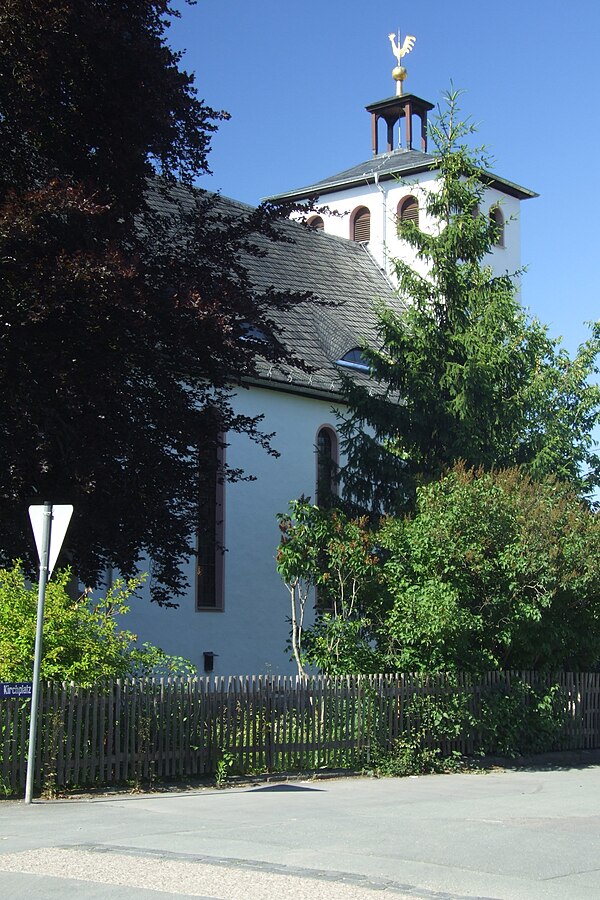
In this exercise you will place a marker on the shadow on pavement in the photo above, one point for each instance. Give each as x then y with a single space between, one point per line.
283 787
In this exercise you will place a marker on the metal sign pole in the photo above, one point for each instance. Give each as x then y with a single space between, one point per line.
44 554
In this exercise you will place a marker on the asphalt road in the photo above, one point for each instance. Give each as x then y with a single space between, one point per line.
515 835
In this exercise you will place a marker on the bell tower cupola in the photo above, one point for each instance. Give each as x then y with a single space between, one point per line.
401 107
393 111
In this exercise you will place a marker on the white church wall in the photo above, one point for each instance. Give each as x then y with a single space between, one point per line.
249 635
508 257
383 200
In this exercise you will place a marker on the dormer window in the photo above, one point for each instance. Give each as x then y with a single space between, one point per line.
361 225
497 220
253 333
317 223
354 359
408 210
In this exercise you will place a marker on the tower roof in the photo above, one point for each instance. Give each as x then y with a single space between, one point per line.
389 166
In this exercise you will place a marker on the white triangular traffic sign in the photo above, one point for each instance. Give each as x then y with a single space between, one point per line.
61 516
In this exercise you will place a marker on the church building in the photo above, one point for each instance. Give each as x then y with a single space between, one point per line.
236 617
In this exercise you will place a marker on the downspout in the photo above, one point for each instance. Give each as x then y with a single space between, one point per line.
383 193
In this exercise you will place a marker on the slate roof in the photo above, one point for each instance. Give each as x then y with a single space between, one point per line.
394 164
345 282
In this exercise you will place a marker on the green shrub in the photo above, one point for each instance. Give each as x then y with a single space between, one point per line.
521 719
435 721
83 640
493 571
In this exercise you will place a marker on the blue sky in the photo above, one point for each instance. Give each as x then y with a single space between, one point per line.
296 77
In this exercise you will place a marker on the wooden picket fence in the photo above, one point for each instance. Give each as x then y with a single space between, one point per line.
141 730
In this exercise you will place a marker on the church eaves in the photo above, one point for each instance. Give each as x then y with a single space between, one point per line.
393 165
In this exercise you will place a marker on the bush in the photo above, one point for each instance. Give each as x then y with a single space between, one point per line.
325 551
493 571
82 639
436 721
521 719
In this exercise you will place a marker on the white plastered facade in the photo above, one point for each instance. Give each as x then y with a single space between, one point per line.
383 198
249 635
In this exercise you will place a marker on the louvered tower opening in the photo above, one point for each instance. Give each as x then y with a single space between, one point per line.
361 228
497 220
409 210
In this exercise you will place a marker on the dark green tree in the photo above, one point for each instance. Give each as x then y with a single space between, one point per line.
123 294
463 373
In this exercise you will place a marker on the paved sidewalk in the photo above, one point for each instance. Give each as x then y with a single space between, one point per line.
514 835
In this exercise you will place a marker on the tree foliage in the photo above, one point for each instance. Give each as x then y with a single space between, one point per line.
463 373
475 437
493 570
124 300
325 555
83 639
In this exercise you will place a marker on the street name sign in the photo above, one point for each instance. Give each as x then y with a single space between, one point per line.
16 688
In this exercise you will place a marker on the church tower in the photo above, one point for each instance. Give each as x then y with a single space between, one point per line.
371 197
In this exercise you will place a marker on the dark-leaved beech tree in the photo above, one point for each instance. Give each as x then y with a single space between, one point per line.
123 300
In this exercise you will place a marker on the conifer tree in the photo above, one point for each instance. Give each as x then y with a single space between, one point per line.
464 373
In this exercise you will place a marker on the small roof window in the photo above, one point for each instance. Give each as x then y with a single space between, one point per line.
253 333
354 359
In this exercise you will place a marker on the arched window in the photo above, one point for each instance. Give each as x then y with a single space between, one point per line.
317 223
210 527
327 465
361 225
497 220
408 210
